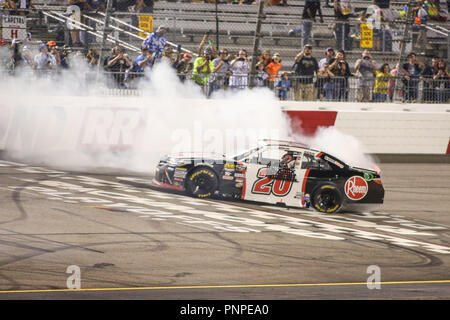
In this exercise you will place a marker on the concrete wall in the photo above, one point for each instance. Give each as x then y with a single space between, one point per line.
382 128
68 122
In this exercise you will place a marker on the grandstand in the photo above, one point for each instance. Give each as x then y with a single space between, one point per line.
188 22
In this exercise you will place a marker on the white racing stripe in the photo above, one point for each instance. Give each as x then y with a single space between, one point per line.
219 216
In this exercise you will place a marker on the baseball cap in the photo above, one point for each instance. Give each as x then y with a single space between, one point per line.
329 49
51 43
42 46
187 56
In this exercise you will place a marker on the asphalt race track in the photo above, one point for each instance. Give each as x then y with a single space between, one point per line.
115 236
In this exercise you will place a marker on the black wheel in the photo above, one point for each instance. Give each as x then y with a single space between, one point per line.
326 198
201 182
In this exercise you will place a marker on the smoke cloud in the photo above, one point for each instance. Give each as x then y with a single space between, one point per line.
70 124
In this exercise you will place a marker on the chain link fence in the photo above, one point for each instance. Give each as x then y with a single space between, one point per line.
96 28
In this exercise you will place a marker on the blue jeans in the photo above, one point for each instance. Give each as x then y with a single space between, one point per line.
342 36
307 27
379 97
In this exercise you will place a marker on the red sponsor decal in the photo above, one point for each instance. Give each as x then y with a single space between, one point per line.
356 188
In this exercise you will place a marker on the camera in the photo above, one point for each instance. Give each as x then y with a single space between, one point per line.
241 59
366 58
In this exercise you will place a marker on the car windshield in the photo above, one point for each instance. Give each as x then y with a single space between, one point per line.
246 154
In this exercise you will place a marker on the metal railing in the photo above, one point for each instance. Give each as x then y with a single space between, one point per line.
424 89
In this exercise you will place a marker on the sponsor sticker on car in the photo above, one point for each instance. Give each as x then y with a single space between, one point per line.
356 188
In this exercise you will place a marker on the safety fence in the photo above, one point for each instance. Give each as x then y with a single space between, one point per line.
433 88
238 24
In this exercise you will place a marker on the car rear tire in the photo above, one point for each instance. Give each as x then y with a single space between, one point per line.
327 199
201 182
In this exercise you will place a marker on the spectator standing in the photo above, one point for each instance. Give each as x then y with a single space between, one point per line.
342 13
261 75
393 83
325 82
240 69
273 68
221 71
341 69
75 36
155 43
27 58
412 70
420 12
442 82
380 89
283 86
92 57
365 70
310 10
426 76
184 66
54 52
22 6
265 58
143 61
202 69
44 62
329 57
305 67
117 64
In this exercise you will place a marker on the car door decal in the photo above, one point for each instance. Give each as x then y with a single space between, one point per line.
267 184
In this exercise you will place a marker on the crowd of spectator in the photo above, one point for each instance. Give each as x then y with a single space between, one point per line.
311 78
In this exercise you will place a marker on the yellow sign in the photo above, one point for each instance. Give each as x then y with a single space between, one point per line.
146 24
366 36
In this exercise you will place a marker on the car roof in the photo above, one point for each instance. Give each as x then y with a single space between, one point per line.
286 143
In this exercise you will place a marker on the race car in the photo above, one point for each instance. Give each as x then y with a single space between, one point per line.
275 172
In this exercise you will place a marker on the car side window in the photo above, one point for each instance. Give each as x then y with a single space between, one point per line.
270 156
311 162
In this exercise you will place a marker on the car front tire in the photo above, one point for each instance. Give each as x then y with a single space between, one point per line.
327 199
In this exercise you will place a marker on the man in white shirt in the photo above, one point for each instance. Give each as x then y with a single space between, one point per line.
240 68
44 61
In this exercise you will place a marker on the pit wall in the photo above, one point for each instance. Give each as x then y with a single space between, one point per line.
68 123
384 128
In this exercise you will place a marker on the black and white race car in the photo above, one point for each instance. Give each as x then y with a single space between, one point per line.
275 172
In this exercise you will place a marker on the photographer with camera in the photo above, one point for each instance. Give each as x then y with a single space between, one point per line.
365 70
44 61
221 71
116 64
203 67
240 69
